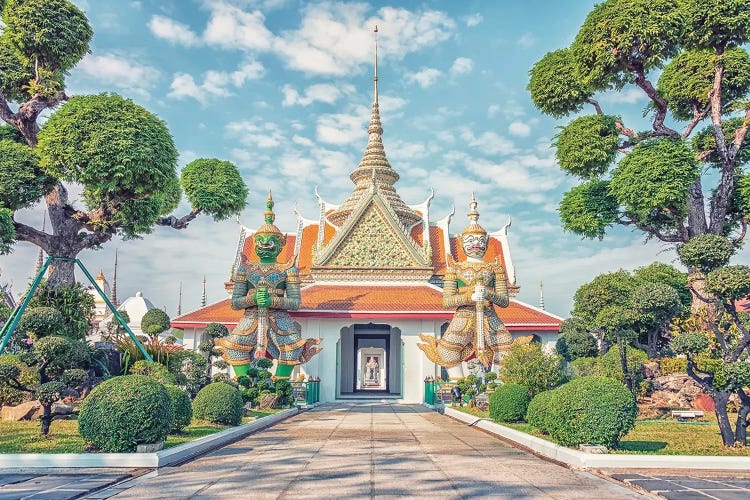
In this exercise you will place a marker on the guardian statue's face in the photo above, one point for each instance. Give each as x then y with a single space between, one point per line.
267 246
475 245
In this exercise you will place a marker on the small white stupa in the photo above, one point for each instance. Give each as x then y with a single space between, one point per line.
136 307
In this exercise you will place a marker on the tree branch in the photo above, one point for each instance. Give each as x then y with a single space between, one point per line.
28 233
653 231
659 102
181 223
740 134
6 113
595 104
698 116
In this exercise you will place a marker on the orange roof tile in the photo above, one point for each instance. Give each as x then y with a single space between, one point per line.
358 300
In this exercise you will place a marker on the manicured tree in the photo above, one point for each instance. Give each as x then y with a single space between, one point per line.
155 322
575 341
213 331
696 46
529 365
74 302
122 155
58 361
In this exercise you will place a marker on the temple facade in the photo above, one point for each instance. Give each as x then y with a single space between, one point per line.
371 270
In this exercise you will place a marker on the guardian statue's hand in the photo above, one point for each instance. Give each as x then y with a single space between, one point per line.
479 294
262 298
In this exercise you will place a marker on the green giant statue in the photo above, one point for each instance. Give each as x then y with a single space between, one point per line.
267 290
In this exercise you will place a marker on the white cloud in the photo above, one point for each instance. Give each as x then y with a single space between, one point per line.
234 28
472 20
462 66
172 31
526 40
341 128
628 96
426 77
488 143
525 174
215 83
263 135
322 92
302 141
493 110
519 129
116 71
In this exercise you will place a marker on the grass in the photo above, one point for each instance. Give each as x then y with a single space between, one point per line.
24 437
656 437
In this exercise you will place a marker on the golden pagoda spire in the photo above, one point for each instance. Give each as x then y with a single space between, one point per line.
375 161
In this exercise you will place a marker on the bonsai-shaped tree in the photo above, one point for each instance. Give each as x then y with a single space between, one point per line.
695 48
716 338
122 155
213 332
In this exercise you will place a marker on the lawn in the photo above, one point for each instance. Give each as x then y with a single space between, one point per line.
658 437
24 437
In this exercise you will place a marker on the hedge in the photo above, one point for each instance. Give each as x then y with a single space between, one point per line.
509 402
538 411
182 408
219 403
123 412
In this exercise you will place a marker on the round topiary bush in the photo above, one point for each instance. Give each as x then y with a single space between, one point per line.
591 410
219 403
509 402
123 412
183 409
538 411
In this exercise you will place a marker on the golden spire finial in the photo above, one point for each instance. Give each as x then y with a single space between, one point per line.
269 215
473 227
376 64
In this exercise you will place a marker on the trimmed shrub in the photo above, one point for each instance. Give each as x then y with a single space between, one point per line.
182 408
123 412
668 366
28 376
586 367
529 365
509 402
635 359
591 410
538 411
219 403
156 371
574 342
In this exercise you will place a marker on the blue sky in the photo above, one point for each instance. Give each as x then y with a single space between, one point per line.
283 89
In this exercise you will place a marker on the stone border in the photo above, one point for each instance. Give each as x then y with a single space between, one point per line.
583 460
163 458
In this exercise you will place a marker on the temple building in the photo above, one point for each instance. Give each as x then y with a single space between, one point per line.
371 270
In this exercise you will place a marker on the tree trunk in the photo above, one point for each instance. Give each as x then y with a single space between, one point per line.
622 345
721 399
46 418
64 241
740 429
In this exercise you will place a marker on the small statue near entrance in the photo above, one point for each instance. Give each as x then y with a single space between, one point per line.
267 290
472 287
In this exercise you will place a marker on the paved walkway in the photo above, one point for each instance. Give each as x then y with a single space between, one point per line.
370 450
678 485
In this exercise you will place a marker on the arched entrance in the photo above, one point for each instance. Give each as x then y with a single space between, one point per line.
370 360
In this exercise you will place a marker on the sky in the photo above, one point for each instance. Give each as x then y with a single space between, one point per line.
283 89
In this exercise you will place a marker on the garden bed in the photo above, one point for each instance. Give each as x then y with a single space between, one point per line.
655 437
24 437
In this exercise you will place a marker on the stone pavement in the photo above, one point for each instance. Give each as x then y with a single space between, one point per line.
50 485
369 450
684 485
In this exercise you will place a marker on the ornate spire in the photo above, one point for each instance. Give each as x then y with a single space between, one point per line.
203 297
113 290
40 255
473 227
541 295
268 217
179 301
374 162
100 276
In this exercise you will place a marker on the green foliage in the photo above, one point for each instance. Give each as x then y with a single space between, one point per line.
42 322
155 321
264 363
655 304
60 354
589 209
706 252
214 186
554 87
7 231
12 367
75 378
690 343
688 78
509 402
575 341
668 366
219 403
704 142
16 71
612 366
74 302
531 366
49 392
8 133
592 410
22 182
730 283
189 369
122 154
182 408
284 393
54 33
604 290
156 371
659 272
710 23
586 367
538 411
587 146
621 34
652 181
216 330
123 412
